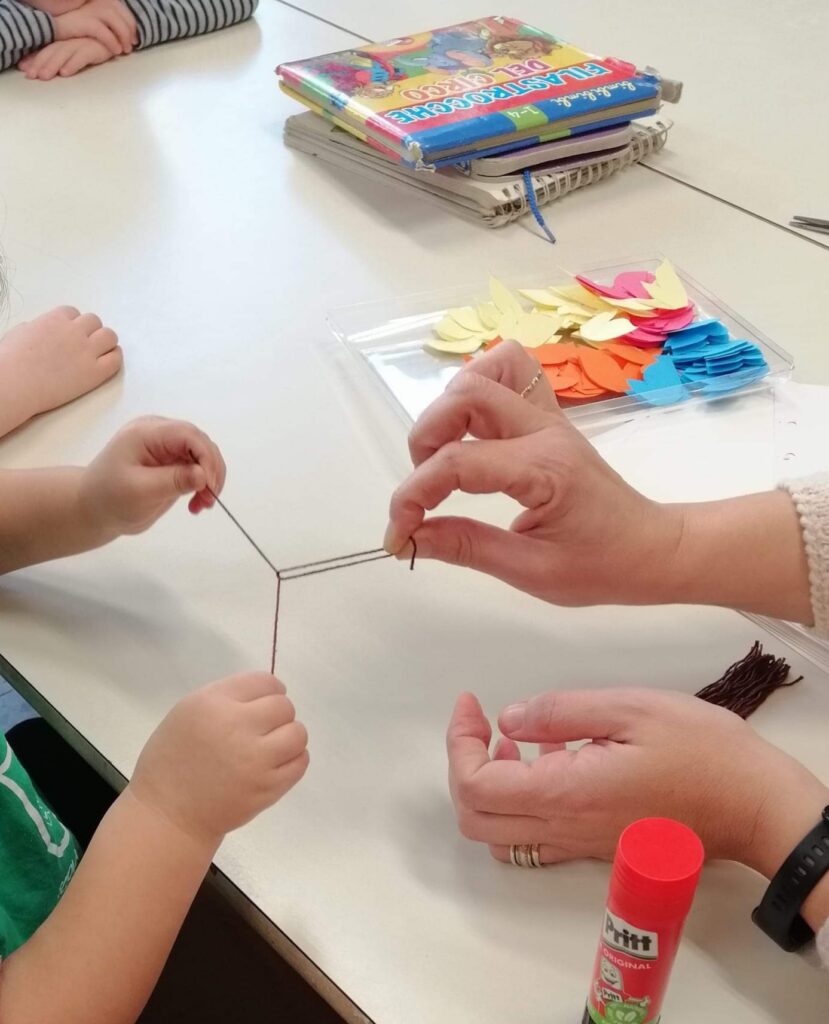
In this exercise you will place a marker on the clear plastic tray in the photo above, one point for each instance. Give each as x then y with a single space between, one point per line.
388 339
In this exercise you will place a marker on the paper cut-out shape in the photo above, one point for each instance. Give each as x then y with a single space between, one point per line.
660 384
562 378
605 327
552 355
534 329
467 317
666 290
488 314
636 336
504 299
629 353
456 348
648 338
450 330
603 370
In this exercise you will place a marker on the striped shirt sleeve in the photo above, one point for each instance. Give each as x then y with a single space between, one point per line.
161 21
23 29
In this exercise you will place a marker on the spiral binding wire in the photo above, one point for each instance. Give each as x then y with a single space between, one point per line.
521 197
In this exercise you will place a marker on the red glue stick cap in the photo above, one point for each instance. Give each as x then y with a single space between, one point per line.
658 863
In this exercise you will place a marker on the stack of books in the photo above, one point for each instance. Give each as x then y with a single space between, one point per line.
491 118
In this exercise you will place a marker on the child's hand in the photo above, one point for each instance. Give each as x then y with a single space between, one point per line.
54 358
145 469
66 57
111 22
222 755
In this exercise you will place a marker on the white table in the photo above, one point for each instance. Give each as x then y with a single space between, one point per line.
175 211
750 128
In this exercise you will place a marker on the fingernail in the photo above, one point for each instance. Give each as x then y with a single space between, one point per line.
512 718
406 552
394 540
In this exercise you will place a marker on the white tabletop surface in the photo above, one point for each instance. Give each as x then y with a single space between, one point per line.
750 128
174 210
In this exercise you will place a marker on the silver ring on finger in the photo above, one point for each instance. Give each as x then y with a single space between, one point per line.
525 855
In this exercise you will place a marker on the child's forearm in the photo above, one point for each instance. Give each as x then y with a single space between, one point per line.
98 956
23 29
42 517
161 21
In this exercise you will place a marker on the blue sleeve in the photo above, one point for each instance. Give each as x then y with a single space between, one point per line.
161 21
23 29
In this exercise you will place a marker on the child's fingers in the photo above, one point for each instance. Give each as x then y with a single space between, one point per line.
109 363
250 686
120 23
286 743
106 35
82 58
288 775
63 312
89 323
201 501
103 340
270 712
54 58
170 440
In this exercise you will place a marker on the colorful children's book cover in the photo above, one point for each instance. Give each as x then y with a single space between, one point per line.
453 91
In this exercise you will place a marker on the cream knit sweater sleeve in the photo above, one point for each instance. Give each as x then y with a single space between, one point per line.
811 498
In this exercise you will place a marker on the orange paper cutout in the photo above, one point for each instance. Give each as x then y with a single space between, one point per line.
602 370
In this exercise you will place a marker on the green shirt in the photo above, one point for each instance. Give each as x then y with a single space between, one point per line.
38 855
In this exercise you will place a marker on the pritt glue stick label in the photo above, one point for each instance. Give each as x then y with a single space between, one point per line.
654 878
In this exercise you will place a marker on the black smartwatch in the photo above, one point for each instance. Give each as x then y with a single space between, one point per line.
779 912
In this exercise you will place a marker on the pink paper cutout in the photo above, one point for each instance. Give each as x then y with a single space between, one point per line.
644 338
631 282
666 320
628 285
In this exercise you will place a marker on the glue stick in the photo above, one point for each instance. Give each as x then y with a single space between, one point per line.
655 874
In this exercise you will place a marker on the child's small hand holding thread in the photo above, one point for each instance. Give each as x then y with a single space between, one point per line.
145 469
222 755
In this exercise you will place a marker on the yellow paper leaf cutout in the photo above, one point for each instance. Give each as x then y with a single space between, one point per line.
467 317
641 307
503 298
545 297
666 290
508 325
489 315
449 330
605 327
534 329
578 293
457 348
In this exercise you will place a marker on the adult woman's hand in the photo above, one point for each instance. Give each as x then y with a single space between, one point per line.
650 753
585 536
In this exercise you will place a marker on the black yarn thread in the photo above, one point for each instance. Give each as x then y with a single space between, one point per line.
747 684
298 572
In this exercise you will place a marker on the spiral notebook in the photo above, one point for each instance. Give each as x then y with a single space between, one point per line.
494 203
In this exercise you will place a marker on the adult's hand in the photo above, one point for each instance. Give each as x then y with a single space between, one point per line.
586 536
650 753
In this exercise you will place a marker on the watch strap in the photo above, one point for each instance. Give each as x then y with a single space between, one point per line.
778 914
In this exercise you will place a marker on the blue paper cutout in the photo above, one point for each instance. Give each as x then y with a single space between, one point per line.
660 384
